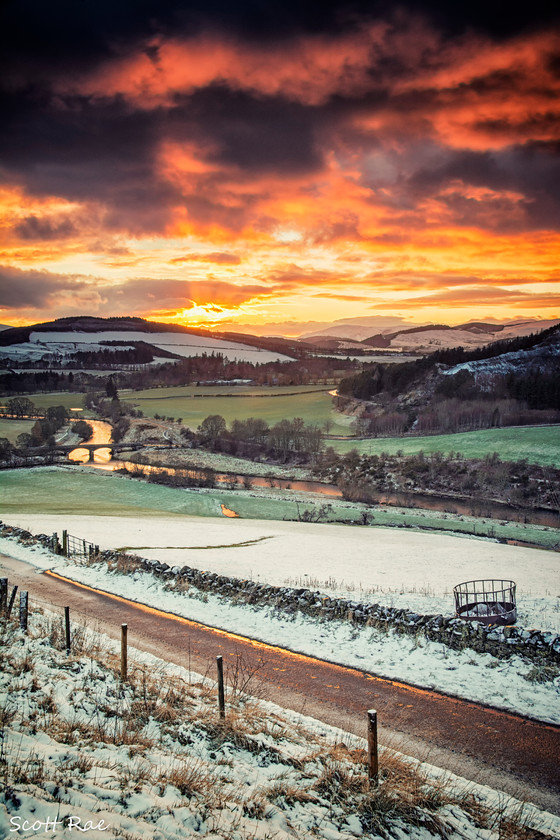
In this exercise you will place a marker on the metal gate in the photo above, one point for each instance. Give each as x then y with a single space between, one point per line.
77 548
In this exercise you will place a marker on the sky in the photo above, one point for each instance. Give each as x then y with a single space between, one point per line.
263 165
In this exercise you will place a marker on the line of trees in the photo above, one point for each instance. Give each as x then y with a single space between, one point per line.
287 440
42 432
21 407
365 477
192 370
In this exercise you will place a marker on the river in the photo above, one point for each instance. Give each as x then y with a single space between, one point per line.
446 504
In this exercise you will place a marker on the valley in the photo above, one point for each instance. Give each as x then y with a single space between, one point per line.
270 485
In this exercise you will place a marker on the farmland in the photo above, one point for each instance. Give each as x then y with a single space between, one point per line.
193 404
538 444
10 429
69 399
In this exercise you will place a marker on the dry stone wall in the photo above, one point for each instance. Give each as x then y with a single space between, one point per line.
535 645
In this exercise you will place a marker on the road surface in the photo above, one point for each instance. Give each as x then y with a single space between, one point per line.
503 750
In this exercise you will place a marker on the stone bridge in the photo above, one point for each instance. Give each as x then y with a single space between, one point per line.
112 447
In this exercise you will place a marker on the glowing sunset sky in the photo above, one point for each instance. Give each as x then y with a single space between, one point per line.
269 163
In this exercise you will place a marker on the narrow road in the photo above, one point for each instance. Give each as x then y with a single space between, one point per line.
503 750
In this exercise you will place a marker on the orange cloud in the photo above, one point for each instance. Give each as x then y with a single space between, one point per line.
308 69
386 162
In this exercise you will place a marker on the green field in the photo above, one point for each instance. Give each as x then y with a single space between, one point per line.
66 492
12 428
538 444
69 399
193 404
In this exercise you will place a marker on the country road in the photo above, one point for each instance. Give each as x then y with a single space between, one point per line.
500 749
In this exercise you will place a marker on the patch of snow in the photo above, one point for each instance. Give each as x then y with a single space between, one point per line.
183 344
120 789
387 565
467 674
64 344
536 358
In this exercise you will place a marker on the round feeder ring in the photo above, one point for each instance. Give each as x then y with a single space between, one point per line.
486 601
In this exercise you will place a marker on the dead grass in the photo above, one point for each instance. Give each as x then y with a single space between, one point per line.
153 707
191 778
542 674
285 793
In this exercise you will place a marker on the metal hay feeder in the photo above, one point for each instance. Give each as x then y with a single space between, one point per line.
487 601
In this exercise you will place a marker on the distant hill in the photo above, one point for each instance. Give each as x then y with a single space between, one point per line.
514 381
65 338
426 339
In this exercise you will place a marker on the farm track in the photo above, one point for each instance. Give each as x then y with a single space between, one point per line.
503 750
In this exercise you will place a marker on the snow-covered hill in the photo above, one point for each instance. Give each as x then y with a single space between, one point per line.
51 344
543 357
423 339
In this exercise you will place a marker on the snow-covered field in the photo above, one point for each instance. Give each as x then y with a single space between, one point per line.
381 565
183 344
382 560
82 752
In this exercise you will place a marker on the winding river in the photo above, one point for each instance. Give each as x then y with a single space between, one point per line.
489 509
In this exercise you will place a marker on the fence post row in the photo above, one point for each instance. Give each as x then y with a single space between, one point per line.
221 693
124 657
23 610
67 629
3 594
12 599
373 761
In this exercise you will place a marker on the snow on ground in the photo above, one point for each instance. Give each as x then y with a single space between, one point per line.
384 565
213 460
183 344
35 350
505 684
85 753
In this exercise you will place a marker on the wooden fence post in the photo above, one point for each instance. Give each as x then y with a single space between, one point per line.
3 594
23 610
124 658
12 599
65 543
221 694
373 762
67 629
54 543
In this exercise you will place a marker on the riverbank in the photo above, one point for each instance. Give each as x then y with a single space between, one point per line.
68 490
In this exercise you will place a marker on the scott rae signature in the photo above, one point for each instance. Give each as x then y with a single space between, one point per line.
50 825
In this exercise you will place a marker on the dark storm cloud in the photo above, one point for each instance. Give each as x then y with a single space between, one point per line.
68 35
87 151
33 228
105 150
21 288
531 170
74 131
256 134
